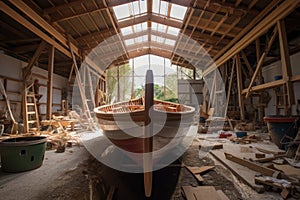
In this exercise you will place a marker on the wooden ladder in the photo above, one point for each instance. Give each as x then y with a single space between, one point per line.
31 115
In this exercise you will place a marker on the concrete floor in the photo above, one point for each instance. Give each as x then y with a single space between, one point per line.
67 176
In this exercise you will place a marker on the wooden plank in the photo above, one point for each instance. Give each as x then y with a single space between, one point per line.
263 170
243 173
262 180
295 78
199 178
270 151
50 82
200 193
208 147
222 195
268 159
288 170
199 170
265 86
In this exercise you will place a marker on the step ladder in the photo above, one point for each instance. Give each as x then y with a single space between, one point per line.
31 115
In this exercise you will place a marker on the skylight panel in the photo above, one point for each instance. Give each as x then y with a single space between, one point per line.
153 38
163 8
160 39
177 11
173 31
126 30
161 28
130 9
170 42
155 6
129 42
154 25
158 27
140 27
122 11
141 39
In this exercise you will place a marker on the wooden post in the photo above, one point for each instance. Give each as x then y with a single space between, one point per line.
286 65
118 83
261 109
230 85
212 92
91 86
50 82
240 86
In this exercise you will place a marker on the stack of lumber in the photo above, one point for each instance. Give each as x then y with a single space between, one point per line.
262 170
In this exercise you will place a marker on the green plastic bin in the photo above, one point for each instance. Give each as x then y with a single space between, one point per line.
22 154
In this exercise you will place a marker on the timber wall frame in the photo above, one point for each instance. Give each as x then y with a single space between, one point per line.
55 41
274 21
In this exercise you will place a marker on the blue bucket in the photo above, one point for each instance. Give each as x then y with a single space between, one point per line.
241 134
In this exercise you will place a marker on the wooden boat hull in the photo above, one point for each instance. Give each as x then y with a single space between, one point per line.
126 130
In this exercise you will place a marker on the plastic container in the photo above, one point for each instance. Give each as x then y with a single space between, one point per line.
22 154
280 126
241 134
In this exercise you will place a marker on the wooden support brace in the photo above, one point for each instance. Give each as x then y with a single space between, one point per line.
261 60
33 60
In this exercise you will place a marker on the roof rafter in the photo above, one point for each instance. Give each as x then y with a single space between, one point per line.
110 4
152 18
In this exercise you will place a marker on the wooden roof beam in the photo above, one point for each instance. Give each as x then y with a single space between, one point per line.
35 17
111 3
267 22
103 33
225 6
152 18
58 18
150 32
211 25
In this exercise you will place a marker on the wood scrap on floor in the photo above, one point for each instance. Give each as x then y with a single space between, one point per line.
197 171
247 139
284 185
203 193
267 151
207 147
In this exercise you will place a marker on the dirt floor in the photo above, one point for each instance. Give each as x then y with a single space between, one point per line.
76 175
